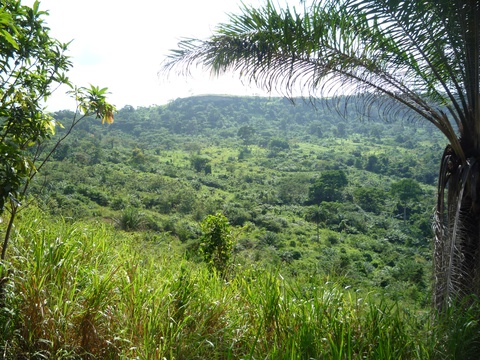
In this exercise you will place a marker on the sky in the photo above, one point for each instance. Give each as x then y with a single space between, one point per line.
121 44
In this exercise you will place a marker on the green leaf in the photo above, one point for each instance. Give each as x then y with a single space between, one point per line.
5 34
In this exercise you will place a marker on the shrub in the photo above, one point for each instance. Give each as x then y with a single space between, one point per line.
332 239
270 239
130 219
217 243
94 194
271 223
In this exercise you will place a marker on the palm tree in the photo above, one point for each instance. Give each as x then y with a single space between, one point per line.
419 57
316 214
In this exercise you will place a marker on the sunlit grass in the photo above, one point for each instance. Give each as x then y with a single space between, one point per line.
86 290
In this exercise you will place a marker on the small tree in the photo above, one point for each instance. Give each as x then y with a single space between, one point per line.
246 133
370 198
217 242
317 215
32 66
199 163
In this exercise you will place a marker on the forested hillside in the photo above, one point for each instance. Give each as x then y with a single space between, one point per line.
316 190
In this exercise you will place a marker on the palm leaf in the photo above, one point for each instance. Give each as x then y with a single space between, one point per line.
330 46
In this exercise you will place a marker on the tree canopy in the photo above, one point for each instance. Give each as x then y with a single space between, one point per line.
328 186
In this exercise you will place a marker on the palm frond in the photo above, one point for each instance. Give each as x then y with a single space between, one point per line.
372 47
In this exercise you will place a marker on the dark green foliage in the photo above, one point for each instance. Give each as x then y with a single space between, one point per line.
138 157
207 169
271 222
270 239
246 133
200 164
407 190
328 186
376 164
289 256
94 194
293 189
61 152
317 215
244 153
370 198
459 328
278 145
236 214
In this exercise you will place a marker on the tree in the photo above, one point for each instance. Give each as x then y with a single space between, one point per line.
32 66
370 198
293 189
246 134
417 58
407 191
278 145
200 163
328 186
316 214
217 242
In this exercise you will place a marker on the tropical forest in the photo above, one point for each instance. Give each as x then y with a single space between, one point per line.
241 227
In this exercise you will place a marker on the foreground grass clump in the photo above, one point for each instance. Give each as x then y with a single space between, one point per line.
85 291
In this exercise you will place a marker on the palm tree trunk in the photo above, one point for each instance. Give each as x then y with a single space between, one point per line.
457 232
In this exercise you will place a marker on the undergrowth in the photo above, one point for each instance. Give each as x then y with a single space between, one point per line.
83 290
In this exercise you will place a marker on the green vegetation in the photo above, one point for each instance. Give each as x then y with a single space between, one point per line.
224 227
216 243
268 197
33 65
328 186
414 59
86 290
115 260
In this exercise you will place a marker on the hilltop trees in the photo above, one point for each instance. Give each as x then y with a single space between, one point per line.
415 57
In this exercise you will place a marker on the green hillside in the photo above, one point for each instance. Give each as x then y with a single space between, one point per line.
329 212
266 165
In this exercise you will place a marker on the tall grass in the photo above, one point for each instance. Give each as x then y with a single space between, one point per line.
87 291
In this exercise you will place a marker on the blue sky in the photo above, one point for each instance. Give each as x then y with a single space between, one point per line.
120 44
